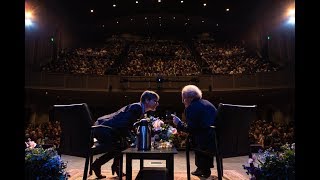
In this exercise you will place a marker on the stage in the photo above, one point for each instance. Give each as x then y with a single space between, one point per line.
232 167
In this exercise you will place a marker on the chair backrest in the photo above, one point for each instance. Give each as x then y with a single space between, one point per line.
75 121
233 124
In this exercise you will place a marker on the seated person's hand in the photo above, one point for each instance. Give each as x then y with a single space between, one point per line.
131 138
131 141
175 119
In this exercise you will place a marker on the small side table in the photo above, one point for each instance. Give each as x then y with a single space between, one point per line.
158 154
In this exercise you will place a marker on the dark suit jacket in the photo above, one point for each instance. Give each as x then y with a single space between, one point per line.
122 120
200 115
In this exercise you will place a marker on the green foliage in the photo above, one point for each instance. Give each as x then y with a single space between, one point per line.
273 165
165 133
44 164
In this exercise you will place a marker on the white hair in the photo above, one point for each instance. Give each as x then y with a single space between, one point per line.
191 91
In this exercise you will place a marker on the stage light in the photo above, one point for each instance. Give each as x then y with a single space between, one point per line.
291 20
28 22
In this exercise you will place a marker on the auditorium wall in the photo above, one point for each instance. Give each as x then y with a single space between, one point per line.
281 79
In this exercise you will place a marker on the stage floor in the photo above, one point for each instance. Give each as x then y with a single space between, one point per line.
234 163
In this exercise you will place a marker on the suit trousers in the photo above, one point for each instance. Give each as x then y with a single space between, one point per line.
203 160
113 142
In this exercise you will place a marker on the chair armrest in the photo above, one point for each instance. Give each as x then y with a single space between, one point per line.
103 126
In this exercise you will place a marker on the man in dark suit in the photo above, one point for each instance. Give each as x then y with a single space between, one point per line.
122 123
200 115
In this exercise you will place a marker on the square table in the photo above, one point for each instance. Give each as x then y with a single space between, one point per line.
158 154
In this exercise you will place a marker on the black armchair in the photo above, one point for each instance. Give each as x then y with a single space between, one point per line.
76 137
233 124
230 134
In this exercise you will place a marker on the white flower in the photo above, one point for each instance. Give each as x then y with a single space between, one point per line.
254 157
250 160
173 130
31 144
157 124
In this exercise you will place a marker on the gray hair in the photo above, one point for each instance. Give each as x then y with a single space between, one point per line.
192 91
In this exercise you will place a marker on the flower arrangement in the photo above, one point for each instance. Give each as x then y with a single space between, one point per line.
44 164
272 165
180 139
162 131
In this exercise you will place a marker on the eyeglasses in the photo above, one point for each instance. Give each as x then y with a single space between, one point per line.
156 101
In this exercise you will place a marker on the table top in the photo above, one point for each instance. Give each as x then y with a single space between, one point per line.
151 151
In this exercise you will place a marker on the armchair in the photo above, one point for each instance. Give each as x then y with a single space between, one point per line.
230 134
76 137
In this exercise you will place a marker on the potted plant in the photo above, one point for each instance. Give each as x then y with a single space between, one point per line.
272 165
44 164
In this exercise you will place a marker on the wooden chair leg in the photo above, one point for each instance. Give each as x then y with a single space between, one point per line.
120 166
221 164
91 160
85 172
219 167
188 158
218 158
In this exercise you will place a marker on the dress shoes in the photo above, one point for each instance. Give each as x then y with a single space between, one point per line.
202 172
115 169
97 172
196 172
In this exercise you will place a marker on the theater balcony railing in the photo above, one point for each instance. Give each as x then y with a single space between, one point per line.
269 80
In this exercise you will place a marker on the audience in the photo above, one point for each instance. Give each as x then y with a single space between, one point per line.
94 61
266 134
231 59
149 57
47 133
270 134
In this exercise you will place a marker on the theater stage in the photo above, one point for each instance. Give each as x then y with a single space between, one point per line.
232 167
